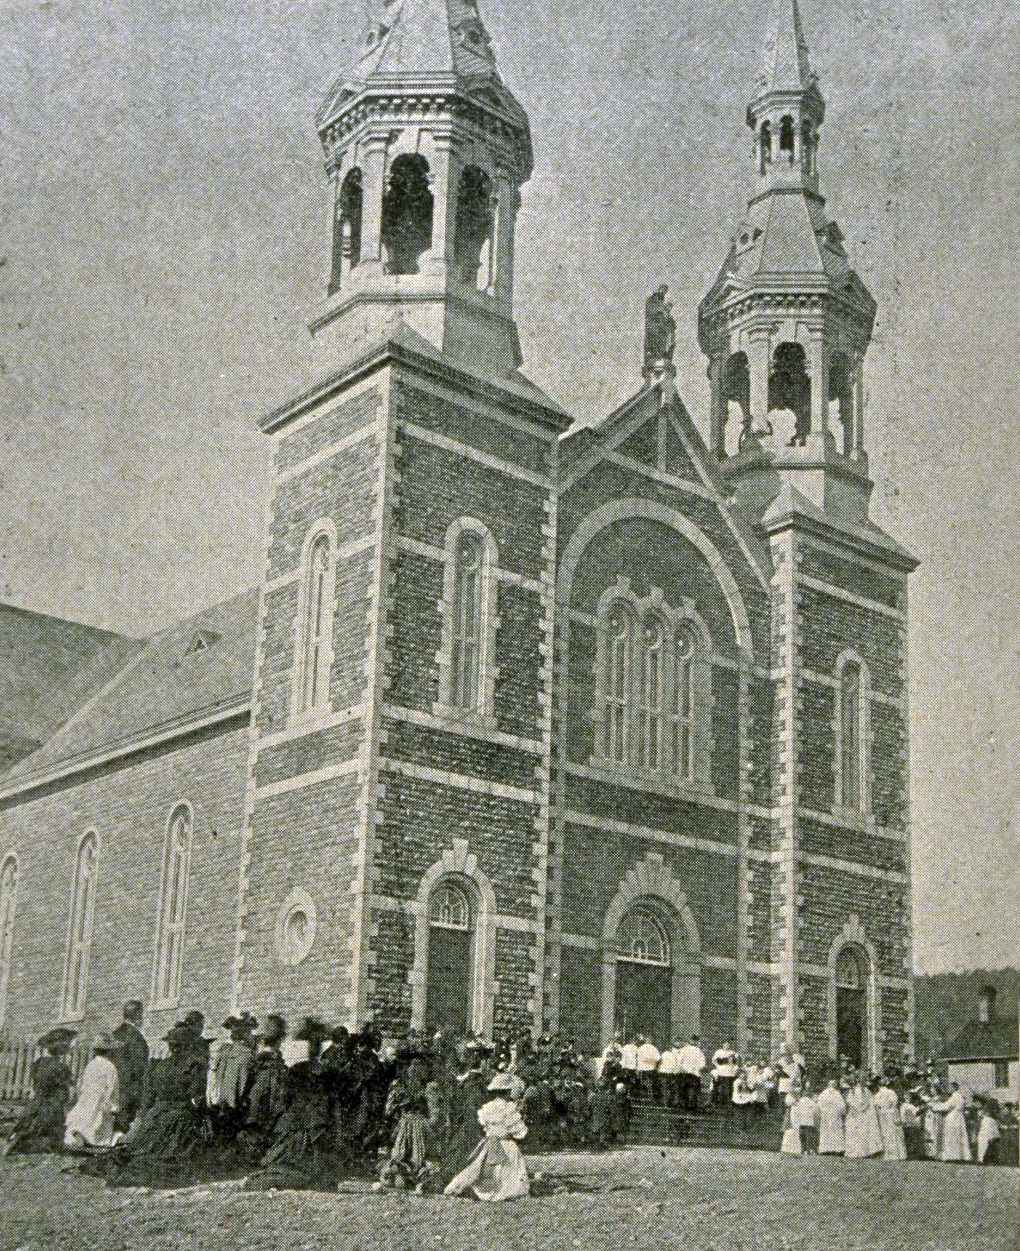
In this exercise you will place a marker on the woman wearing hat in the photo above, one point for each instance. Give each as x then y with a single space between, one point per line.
497 1170
41 1126
90 1121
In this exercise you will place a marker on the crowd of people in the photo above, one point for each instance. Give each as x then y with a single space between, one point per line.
309 1107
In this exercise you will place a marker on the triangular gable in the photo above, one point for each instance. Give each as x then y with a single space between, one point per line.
662 439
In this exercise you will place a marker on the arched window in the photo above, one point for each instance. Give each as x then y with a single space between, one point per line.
8 904
737 387
787 138
173 905
618 684
841 394
682 713
469 560
450 982
79 939
642 938
807 144
764 147
851 736
473 234
650 693
347 227
315 649
407 214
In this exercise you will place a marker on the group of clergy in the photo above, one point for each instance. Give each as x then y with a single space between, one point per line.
862 1118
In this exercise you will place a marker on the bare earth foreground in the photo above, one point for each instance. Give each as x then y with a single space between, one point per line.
699 1199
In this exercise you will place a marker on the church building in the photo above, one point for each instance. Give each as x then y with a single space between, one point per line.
530 725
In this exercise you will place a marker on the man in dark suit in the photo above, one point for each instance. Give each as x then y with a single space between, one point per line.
131 1059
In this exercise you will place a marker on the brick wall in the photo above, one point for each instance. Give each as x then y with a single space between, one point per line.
128 805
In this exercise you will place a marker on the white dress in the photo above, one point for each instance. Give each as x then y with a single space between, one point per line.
863 1133
831 1111
791 1143
955 1143
496 1170
90 1122
894 1145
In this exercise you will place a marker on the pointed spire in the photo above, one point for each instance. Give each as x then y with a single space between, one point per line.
784 62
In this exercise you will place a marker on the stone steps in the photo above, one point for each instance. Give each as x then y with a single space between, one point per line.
654 1125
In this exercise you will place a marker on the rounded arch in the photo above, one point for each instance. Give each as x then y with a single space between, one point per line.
467 649
650 887
652 510
853 941
407 213
79 926
10 877
458 865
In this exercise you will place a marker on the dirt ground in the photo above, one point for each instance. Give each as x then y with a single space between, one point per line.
695 1199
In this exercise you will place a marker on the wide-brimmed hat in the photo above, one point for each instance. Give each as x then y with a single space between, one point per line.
105 1042
507 1083
273 1026
56 1038
311 1030
245 1023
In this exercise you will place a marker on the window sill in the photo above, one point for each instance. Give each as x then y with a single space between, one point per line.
650 779
460 720
71 1018
164 1005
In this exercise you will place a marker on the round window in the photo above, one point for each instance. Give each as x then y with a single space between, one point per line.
295 927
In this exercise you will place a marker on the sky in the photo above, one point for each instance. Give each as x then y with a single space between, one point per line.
164 241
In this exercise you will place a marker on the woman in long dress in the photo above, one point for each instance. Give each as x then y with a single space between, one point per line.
955 1143
887 1106
497 1170
90 1122
863 1133
41 1126
831 1111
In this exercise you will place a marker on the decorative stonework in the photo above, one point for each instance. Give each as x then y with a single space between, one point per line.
853 935
294 933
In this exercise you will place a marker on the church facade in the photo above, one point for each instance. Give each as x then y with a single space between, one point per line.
529 725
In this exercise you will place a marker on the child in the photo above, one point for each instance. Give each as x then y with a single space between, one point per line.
805 1114
497 1170
791 1144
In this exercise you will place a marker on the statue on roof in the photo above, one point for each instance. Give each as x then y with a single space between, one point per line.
660 329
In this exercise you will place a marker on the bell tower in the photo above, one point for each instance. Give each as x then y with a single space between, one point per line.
426 151
787 322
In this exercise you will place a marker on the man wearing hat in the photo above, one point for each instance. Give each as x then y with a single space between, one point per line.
41 1126
131 1060
90 1123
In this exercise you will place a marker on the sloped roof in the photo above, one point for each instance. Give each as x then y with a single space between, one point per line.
48 668
997 1040
201 666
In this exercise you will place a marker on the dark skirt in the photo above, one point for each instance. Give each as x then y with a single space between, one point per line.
41 1126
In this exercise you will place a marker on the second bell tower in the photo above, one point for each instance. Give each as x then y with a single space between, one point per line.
426 150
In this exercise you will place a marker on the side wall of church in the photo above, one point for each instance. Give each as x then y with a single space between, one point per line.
852 882
462 794
621 831
128 805
307 770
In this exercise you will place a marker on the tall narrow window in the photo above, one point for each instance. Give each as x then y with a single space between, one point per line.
682 712
467 621
173 905
315 656
650 694
407 214
347 227
8 903
618 682
79 940
850 736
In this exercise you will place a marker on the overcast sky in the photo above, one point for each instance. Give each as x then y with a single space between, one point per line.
164 241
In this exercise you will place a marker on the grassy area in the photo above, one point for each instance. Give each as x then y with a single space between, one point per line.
697 1199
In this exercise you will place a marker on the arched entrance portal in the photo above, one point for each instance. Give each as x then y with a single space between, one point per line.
449 986
851 1006
644 979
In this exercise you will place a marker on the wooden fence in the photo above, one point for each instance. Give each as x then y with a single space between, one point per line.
16 1060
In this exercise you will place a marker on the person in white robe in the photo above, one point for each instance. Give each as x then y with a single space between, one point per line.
496 1170
861 1127
89 1123
831 1111
805 1117
988 1134
791 1144
955 1143
887 1106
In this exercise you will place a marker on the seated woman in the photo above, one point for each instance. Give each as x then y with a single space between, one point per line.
497 1170
166 1144
412 1159
41 1126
